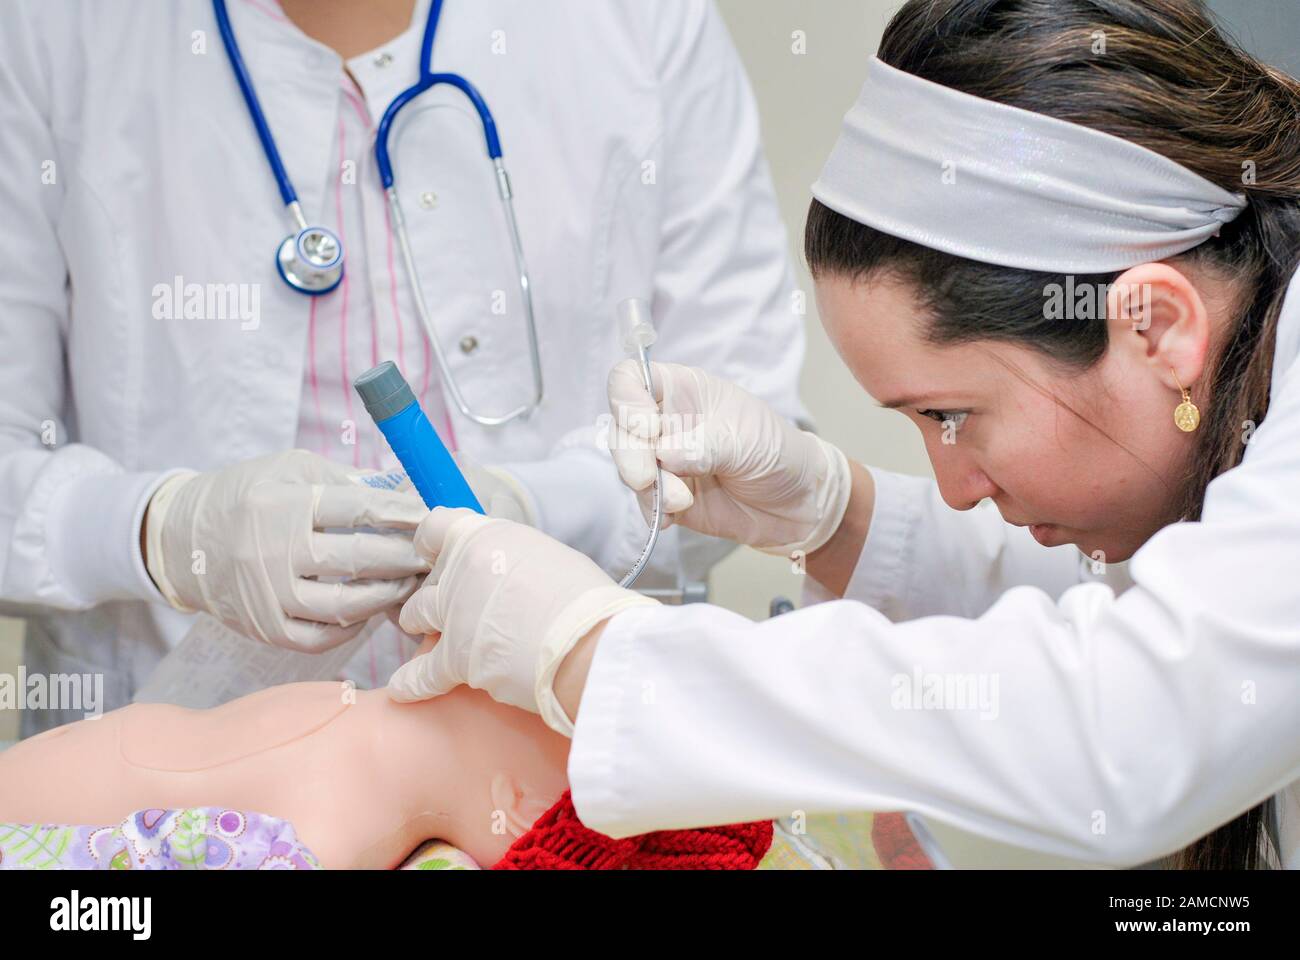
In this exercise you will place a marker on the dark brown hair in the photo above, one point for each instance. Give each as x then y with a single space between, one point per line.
1170 80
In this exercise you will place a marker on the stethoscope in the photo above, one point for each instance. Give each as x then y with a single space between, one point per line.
310 259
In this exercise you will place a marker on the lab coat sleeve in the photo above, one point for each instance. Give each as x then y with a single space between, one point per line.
1102 729
724 296
922 557
69 515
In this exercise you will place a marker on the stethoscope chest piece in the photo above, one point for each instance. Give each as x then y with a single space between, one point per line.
311 260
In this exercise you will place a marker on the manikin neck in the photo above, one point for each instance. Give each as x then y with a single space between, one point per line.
466 769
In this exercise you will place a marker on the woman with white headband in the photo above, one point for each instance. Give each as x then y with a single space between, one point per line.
1062 239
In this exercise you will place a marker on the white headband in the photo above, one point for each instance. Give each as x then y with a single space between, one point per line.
994 183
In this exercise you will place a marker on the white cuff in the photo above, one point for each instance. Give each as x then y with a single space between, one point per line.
832 502
573 623
155 556
880 577
596 773
93 530
527 502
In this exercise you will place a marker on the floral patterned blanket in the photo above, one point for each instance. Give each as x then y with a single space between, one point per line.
201 838
213 838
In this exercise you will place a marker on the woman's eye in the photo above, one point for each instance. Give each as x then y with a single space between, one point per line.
956 417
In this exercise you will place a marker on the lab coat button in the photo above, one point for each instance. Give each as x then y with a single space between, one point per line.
428 199
383 60
468 344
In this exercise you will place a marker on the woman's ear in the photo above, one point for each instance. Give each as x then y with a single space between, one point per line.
1159 317
516 807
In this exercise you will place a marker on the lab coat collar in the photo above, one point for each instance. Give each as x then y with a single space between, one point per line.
387 70
381 73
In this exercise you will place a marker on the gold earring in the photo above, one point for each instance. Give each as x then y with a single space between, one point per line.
1186 417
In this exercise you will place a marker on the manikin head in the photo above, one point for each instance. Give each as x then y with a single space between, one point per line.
498 770
500 793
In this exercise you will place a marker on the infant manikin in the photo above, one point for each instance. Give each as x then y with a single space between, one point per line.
362 779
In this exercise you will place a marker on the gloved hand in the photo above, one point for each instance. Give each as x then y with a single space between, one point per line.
499 493
245 544
732 467
510 604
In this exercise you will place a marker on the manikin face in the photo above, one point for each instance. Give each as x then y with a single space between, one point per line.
1091 458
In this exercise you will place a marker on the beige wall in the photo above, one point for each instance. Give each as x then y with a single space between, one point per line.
802 98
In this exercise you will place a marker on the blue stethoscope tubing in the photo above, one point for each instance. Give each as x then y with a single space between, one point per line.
311 259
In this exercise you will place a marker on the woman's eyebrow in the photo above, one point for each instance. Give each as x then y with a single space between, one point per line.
911 400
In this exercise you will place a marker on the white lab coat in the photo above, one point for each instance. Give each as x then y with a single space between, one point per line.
1107 729
130 159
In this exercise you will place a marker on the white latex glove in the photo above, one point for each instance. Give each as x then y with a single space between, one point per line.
732 467
246 544
499 492
510 604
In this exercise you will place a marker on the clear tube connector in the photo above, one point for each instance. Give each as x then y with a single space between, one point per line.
635 327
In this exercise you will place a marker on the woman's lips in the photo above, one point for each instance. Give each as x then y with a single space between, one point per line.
1047 534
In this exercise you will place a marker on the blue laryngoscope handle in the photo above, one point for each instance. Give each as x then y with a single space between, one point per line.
426 460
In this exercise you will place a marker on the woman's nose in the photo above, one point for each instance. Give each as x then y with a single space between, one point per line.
962 483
